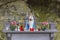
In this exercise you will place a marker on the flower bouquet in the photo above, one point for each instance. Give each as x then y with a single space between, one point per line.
13 25
44 25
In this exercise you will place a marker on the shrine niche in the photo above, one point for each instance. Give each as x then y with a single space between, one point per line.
21 23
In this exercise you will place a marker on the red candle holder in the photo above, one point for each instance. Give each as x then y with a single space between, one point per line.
31 29
21 28
38 29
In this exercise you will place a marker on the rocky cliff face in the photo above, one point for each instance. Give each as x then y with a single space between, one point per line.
2 2
18 8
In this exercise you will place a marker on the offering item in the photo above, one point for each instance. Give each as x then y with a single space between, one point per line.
31 23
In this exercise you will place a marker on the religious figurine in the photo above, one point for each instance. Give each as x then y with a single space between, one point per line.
26 22
17 27
31 23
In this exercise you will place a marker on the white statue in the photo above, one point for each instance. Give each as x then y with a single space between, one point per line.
31 22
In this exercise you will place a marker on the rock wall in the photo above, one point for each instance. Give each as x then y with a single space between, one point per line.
18 8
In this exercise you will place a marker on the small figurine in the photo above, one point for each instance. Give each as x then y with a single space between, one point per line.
31 22
26 22
17 28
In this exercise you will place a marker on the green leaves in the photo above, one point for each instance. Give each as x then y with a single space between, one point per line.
12 28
